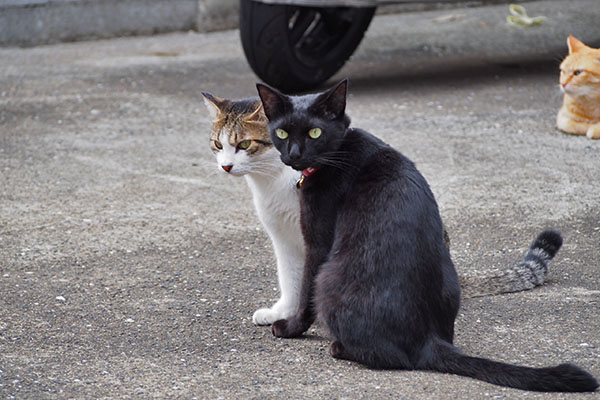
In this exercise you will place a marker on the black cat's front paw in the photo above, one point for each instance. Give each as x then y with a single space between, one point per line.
287 328
337 350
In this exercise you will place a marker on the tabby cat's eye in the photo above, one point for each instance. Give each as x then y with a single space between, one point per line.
218 145
577 72
314 133
244 144
281 134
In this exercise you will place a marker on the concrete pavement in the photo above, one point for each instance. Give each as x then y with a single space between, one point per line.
130 266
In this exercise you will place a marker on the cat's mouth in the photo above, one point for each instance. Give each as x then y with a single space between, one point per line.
300 165
230 170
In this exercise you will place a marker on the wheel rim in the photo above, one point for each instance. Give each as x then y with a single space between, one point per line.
314 33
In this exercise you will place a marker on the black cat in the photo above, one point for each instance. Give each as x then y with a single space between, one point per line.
377 270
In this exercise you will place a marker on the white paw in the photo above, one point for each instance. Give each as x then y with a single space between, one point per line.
266 316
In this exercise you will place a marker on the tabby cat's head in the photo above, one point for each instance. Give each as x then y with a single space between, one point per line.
306 130
240 135
580 70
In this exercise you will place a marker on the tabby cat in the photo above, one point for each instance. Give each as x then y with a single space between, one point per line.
377 271
580 82
241 144
240 141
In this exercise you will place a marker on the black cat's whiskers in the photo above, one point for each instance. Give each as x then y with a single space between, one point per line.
336 159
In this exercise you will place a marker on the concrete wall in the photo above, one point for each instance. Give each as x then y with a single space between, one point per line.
216 15
35 22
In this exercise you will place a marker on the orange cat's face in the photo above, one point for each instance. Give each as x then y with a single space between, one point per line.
580 70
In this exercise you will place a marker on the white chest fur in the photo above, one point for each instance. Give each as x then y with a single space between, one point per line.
277 205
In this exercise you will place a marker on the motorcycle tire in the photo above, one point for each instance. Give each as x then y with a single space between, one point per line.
298 48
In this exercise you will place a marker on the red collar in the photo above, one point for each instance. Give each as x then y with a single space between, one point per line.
305 174
309 171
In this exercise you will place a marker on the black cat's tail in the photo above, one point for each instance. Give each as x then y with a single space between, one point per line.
562 378
530 272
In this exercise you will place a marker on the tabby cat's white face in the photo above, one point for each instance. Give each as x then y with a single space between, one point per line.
231 159
243 157
240 137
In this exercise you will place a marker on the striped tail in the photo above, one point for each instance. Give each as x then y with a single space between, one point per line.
533 269
525 275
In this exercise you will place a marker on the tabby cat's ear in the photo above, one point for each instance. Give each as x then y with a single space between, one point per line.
257 115
213 103
275 104
574 44
332 103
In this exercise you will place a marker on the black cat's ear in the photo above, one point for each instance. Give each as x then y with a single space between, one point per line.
214 104
332 103
275 104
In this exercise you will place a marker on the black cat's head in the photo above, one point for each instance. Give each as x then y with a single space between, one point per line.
308 129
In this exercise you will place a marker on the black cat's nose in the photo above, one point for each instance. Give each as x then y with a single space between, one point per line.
294 152
227 168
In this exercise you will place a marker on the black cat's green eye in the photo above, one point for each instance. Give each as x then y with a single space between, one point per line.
281 134
244 144
218 145
314 133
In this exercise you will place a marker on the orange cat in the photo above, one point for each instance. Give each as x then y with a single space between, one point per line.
580 82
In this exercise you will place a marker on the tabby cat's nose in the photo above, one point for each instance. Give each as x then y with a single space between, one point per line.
227 168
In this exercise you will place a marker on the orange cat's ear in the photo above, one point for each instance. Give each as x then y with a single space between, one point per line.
574 44
257 115
213 103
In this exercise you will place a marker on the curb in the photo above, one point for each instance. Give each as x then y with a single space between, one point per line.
38 22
